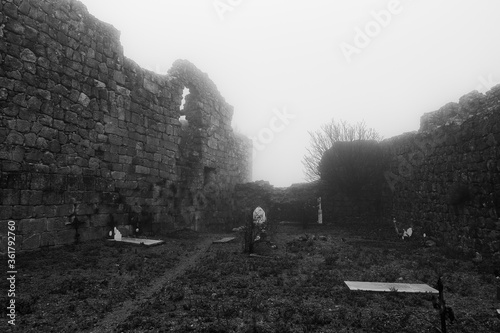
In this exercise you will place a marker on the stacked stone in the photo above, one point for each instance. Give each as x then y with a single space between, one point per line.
446 177
84 131
214 159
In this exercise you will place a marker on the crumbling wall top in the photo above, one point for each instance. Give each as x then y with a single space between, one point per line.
202 89
468 105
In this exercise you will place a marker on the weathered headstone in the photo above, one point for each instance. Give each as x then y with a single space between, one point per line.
259 221
255 229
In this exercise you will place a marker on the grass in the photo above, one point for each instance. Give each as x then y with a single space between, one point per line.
300 288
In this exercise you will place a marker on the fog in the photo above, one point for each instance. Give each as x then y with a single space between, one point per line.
290 66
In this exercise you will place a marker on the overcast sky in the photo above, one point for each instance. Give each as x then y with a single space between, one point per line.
288 66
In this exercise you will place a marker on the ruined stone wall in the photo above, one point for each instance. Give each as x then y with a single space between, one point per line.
445 179
89 140
297 203
341 209
351 180
213 159
249 196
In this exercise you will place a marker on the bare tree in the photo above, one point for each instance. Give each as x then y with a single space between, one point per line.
324 138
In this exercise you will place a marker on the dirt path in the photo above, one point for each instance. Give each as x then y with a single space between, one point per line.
118 315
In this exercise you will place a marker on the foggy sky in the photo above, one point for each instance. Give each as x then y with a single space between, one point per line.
288 66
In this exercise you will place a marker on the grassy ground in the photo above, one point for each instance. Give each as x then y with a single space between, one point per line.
298 287
73 288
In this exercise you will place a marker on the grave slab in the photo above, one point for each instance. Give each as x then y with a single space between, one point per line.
224 240
387 287
139 241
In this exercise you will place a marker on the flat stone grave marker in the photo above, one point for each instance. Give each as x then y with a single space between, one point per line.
224 240
388 287
139 241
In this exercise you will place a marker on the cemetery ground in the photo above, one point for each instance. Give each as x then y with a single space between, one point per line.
189 284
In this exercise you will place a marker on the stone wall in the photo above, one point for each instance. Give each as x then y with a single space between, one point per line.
342 209
351 181
444 180
297 203
89 140
213 159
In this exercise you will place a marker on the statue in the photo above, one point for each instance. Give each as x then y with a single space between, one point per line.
320 212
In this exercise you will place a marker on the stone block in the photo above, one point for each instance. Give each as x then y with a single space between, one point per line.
48 133
99 220
10 196
83 99
142 170
170 146
65 210
112 128
118 175
58 223
23 126
30 197
75 170
14 138
124 159
32 226
71 117
94 163
47 239
28 55
115 139
34 104
31 242
119 77
5 212
53 198
85 209
151 87
11 63
65 237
